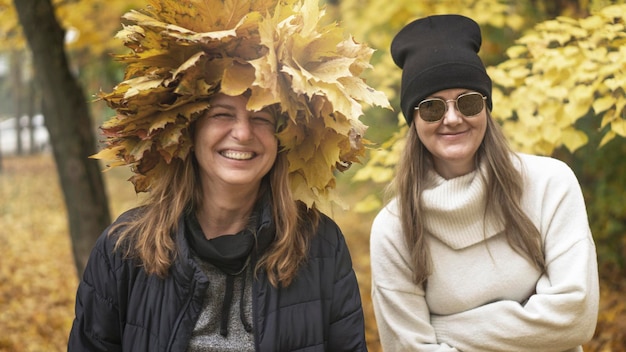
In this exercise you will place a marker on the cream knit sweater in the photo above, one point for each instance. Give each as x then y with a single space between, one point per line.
482 295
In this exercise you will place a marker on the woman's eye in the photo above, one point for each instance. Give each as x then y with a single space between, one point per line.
220 115
263 120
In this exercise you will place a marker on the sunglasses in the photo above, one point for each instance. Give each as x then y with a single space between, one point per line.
469 104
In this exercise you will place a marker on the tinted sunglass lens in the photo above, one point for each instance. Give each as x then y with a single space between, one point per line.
432 110
470 104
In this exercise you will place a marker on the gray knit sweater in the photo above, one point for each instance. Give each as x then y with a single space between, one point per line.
207 335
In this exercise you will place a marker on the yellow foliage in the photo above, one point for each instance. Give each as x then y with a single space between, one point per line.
573 138
37 274
374 22
579 60
90 24
619 126
602 104
10 32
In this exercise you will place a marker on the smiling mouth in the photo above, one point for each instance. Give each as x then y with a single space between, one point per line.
236 155
453 133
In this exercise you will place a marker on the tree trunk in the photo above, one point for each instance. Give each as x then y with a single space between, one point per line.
17 89
31 111
1 156
68 120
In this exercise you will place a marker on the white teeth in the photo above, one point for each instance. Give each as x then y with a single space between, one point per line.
231 154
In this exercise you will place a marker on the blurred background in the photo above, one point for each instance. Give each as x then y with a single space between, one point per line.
559 72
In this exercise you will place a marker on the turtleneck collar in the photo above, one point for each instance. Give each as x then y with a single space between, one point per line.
455 209
230 252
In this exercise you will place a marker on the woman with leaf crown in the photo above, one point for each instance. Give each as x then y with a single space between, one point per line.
234 116
481 249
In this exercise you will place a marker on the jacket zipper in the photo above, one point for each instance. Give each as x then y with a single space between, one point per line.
255 308
179 320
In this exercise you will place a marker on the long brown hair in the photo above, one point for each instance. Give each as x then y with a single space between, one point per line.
150 237
504 193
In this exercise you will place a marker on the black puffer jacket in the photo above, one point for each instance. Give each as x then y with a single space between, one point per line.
121 308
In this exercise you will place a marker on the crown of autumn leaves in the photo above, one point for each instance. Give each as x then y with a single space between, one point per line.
185 51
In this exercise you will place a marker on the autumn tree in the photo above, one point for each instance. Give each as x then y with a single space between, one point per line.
562 89
69 124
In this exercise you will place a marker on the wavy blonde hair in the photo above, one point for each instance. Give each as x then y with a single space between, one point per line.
150 236
504 193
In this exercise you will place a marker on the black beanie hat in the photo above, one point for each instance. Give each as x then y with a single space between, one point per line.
436 53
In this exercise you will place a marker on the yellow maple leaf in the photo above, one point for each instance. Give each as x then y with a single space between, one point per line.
237 78
573 138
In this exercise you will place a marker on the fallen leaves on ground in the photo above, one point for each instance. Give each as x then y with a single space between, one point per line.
37 275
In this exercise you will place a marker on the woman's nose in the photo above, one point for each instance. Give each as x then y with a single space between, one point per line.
242 129
452 116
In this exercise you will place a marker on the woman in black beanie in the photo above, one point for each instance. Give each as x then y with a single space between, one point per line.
481 249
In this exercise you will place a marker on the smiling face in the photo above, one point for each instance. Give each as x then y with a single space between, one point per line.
453 140
234 146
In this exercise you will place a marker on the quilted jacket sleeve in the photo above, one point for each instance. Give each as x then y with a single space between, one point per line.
97 325
347 326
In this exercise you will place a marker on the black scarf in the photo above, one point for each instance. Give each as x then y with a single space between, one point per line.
230 252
